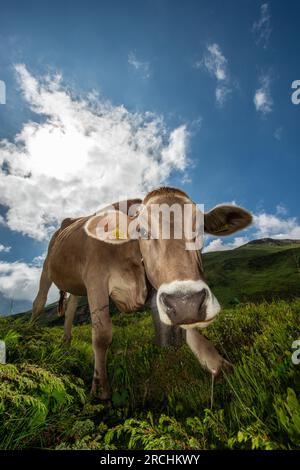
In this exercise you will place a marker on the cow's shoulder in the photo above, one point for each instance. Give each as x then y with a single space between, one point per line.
70 227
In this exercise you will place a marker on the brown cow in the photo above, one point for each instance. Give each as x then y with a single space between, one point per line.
85 259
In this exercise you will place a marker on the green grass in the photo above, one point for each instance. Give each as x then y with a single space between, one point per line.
254 273
161 398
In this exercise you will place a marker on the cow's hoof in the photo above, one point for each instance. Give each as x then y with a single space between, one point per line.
102 400
100 395
106 402
66 340
226 368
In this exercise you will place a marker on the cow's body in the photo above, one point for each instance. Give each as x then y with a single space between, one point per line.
83 265
74 258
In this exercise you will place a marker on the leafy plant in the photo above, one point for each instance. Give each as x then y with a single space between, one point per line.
161 397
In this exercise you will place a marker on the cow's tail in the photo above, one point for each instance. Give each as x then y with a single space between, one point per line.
61 303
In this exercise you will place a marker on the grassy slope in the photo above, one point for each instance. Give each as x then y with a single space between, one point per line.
161 398
254 273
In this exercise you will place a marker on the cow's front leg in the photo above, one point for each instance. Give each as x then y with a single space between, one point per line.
101 337
206 353
165 335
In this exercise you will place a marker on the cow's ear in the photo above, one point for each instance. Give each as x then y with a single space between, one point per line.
109 227
226 219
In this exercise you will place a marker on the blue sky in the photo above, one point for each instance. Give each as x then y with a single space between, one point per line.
202 89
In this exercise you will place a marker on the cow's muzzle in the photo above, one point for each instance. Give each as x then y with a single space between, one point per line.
187 304
186 308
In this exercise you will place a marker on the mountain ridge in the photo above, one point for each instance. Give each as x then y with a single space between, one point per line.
273 241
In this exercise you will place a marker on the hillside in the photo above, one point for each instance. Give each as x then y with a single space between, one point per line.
264 269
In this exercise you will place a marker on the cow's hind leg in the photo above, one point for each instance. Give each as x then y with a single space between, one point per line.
101 338
165 335
206 353
69 317
41 298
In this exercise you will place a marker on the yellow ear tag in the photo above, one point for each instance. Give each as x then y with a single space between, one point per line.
222 228
117 234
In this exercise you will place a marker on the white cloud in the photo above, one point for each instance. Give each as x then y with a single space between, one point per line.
19 281
262 27
2 220
262 99
80 154
274 226
141 66
278 133
281 209
219 245
38 261
4 249
216 64
221 94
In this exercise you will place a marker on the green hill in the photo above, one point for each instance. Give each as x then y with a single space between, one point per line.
263 269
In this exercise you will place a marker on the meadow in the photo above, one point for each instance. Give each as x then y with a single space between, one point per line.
162 399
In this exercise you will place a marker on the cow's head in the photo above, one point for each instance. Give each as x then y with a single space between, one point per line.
183 296
172 267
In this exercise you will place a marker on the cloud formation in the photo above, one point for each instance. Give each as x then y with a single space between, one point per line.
216 64
141 66
276 226
19 281
4 249
278 133
79 154
263 101
219 244
262 27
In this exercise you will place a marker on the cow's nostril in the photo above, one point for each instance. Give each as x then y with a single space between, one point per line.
202 298
185 307
166 300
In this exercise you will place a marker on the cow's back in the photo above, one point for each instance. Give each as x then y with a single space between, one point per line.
66 255
73 255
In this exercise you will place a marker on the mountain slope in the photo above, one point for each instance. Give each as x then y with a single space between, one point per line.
260 270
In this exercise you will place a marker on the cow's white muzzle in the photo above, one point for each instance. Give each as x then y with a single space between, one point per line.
188 304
